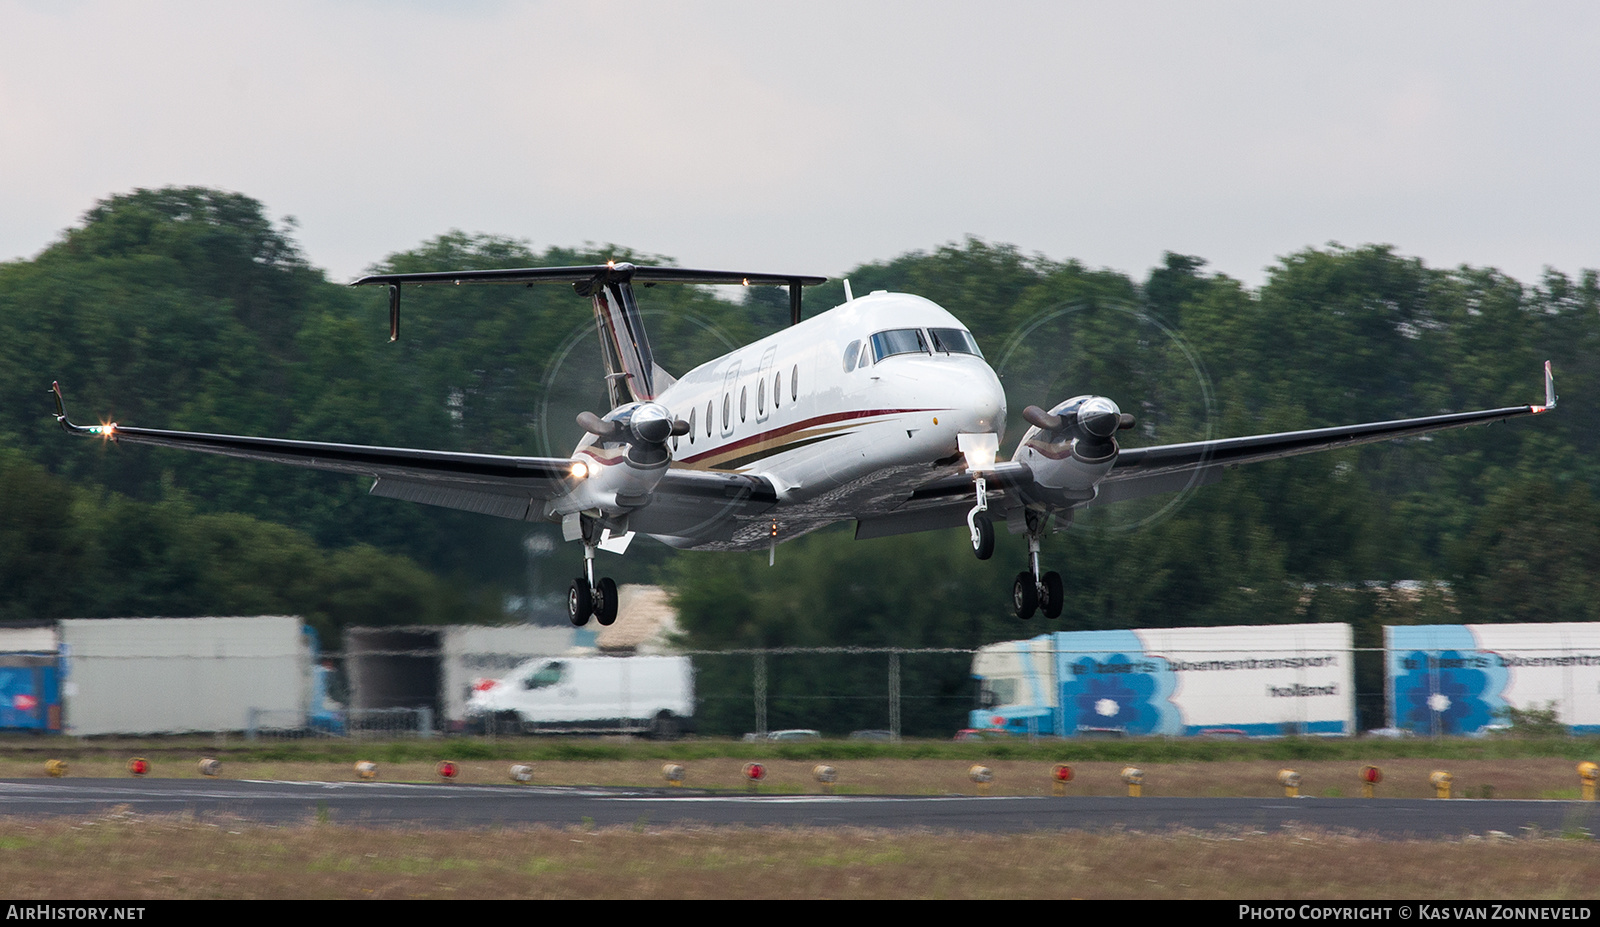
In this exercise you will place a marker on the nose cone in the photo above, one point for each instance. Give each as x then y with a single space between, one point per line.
980 399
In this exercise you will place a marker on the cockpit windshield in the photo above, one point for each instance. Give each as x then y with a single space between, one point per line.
954 341
898 341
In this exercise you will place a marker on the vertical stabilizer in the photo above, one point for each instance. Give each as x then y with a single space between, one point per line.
630 367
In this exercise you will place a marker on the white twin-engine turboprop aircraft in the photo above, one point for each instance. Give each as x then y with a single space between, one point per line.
881 410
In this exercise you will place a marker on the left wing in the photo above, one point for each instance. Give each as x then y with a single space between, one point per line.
1148 471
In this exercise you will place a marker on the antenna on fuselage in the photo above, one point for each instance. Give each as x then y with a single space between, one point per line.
848 296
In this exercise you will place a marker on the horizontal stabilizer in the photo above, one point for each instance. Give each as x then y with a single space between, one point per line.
604 273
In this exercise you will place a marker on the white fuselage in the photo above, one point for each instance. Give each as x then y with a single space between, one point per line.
794 409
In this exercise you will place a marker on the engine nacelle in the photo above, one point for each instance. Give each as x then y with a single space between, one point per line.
1071 447
621 460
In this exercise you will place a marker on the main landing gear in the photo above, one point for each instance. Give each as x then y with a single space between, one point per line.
587 597
1030 592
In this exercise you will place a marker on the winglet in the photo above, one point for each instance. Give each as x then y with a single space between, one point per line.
107 430
1549 391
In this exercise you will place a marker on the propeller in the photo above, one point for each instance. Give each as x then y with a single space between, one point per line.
1089 422
645 426
1046 421
1126 351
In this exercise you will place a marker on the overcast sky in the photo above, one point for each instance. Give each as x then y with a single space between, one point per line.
811 137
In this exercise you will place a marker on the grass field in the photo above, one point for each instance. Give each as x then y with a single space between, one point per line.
120 855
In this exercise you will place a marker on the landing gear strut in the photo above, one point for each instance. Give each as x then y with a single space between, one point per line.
981 527
587 597
1031 592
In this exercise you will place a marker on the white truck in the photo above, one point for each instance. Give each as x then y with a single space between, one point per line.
654 695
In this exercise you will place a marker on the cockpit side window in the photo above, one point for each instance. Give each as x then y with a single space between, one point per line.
850 351
898 341
954 341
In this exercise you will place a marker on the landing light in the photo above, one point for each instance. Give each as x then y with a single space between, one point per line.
579 470
980 450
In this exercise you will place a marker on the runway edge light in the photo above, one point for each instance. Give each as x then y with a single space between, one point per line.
1370 777
1060 775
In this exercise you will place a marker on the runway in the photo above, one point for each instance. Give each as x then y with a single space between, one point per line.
476 806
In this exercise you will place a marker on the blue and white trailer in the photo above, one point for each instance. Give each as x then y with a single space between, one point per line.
1463 678
1247 680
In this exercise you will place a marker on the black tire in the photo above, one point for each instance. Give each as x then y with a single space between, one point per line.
580 605
984 548
1053 592
605 601
1025 595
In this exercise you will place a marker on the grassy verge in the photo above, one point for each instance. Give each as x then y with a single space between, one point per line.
127 857
1529 775
589 749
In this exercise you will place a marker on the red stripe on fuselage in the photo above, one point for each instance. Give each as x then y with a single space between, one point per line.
798 426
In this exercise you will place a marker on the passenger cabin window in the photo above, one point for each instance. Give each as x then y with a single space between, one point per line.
898 341
691 428
954 341
794 383
777 389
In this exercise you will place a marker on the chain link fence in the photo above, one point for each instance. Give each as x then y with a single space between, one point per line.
873 693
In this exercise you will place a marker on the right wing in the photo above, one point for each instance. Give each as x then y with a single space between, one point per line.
489 484
486 483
